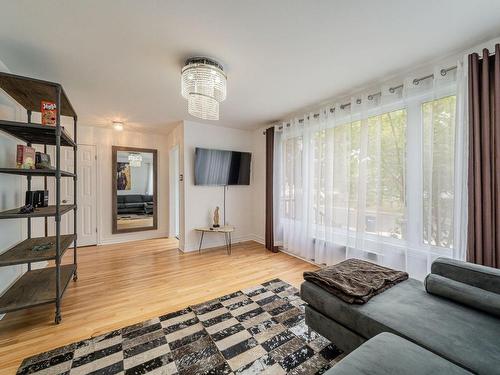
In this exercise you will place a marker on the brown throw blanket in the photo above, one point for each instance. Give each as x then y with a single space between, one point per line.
355 280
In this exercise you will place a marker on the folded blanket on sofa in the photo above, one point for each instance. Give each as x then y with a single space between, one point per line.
354 280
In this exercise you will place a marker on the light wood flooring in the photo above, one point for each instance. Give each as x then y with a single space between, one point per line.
135 222
127 283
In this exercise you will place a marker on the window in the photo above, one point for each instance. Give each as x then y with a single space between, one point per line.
333 159
385 175
438 171
370 202
353 176
373 177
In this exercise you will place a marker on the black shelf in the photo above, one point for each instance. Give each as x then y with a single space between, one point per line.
35 133
35 288
35 172
29 92
47 285
22 252
39 212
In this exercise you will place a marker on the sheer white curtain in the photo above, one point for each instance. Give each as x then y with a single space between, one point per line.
374 176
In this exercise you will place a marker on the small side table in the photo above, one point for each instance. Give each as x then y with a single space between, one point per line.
227 235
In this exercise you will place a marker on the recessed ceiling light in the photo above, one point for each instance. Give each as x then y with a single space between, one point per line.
118 125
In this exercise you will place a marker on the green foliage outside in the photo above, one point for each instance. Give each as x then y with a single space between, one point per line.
358 174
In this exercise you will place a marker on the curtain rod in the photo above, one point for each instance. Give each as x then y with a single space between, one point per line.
393 89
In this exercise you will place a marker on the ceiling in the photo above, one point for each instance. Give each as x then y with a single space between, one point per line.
121 59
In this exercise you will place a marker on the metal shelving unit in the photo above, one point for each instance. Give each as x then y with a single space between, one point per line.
47 285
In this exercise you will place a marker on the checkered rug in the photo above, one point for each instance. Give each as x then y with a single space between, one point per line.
256 330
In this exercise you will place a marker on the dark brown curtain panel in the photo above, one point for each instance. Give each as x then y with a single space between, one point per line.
269 190
483 239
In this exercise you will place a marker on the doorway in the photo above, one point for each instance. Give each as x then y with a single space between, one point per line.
174 191
87 195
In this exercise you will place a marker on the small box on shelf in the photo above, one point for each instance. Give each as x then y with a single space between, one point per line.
42 161
25 157
49 113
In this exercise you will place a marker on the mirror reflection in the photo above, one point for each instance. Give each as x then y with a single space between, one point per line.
135 189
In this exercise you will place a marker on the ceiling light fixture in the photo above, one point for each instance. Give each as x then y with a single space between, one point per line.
118 125
135 160
203 83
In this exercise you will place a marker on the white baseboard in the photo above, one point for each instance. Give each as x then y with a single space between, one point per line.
211 243
258 239
304 259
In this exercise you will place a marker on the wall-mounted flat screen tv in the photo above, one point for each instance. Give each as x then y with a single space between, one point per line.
220 167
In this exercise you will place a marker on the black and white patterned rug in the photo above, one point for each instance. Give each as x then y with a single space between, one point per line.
256 330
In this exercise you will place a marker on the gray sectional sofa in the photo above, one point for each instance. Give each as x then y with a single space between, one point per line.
134 204
456 328
388 354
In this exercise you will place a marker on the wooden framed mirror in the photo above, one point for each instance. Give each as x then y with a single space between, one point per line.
134 189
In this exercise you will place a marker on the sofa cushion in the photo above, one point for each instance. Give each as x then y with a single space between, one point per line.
475 275
134 205
458 333
389 354
464 294
134 198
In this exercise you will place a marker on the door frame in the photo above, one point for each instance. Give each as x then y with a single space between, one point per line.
173 173
97 194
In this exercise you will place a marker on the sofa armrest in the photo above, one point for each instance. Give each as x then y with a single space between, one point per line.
475 275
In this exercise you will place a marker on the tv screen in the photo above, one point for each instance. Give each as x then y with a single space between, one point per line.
219 167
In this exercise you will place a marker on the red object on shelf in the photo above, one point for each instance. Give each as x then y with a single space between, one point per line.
49 113
25 157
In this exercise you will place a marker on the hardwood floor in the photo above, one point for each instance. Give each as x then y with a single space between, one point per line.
127 283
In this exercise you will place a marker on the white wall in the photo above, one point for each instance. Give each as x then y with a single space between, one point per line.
200 201
176 138
104 139
11 192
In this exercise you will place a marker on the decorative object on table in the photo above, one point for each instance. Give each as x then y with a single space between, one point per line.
42 161
41 198
42 247
25 158
278 318
123 181
27 209
49 112
216 217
